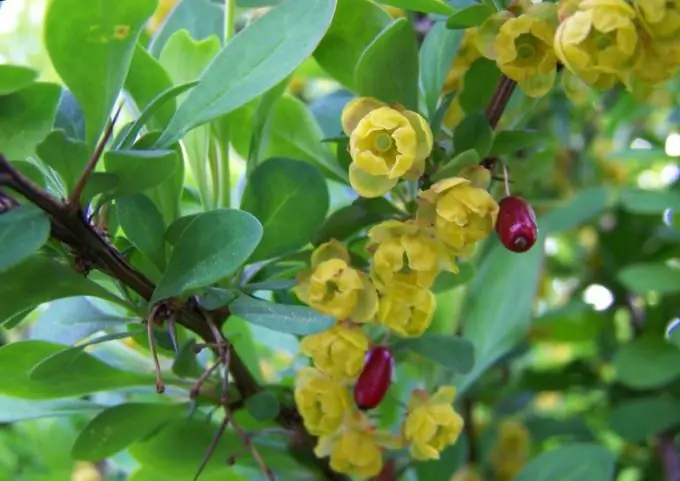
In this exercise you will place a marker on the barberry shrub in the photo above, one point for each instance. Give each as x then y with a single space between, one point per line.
342 239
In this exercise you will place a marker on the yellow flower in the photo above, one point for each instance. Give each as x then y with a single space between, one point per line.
599 42
524 53
467 473
431 423
164 8
386 143
405 317
467 54
658 62
323 402
338 352
334 288
661 17
461 213
511 450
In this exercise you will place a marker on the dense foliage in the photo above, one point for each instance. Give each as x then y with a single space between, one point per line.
342 239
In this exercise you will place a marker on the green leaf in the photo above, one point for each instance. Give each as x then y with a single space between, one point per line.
27 117
639 201
511 141
143 226
290 199
70 117
573 462
447 280
65 155
464 159
474 132
451 352
260 118
14 409
117 427
479 84
104 35
585 206
471 16
139 170
647 363
494 328
355 24
23 230
637 420
425 6
328 111
210 249
255 60
263 406
436 57
87 375
350 219
15 77
298 320
388 68
575 322
185 364
145 81
57 281
657 277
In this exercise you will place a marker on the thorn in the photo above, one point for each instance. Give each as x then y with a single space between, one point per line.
213 445
172 330
160 386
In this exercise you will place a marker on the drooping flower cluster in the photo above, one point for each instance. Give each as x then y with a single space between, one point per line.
394 295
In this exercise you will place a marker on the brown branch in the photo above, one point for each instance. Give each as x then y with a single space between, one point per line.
470 433
669 456
500 100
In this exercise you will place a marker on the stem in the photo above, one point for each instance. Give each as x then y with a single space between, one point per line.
500 100
229 20
669 456
469 429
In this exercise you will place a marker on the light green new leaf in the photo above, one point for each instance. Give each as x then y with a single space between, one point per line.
355 24
91 45
471 16
451 352
474 132
290 199
263 406
86 375
637 420
117 427
298 320
139 170
653 276
464 159
143 226
14 409
15 77
23 230
425 6
572 462
212 246
19 285
27 117
255 60
647 363
436 57
494 328
388 68
65 155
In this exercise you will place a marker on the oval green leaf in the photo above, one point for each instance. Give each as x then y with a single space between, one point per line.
425 6
263 406
23 230
143 226
651 277
139 170
647 363
15 77
637 420
451 352
574 462
471 16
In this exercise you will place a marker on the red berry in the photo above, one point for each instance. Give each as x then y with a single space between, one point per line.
516 224
375 379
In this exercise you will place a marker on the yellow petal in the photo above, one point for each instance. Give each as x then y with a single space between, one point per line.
355 110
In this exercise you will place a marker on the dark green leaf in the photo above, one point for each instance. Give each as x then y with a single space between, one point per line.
27 117
388 68
104 35
639 201
639 419
452 352
40 279
474 132
436 57
70 117
23 230
255 60
176 229
143 226
139 170
447 280
117 427
270 285
471 16
261 116
574 462
14 409
425 6
647 363
15 77
290 199
657 277
464 159
479 85
511 141
585 206
328 111
210 249
185 364
87 375
65 155
355 24
298 320
263 406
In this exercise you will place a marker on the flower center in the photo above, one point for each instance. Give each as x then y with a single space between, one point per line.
331 289
525 47
383 142
603 40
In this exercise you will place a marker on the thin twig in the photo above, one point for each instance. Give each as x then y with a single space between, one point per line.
196 388
245 439
160 385
172 330
74 198
469 427
211 448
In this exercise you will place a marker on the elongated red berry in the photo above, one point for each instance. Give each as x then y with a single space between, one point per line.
375 379
516 224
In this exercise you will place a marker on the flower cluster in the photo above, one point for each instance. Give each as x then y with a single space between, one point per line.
394 295
510 452
600 42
